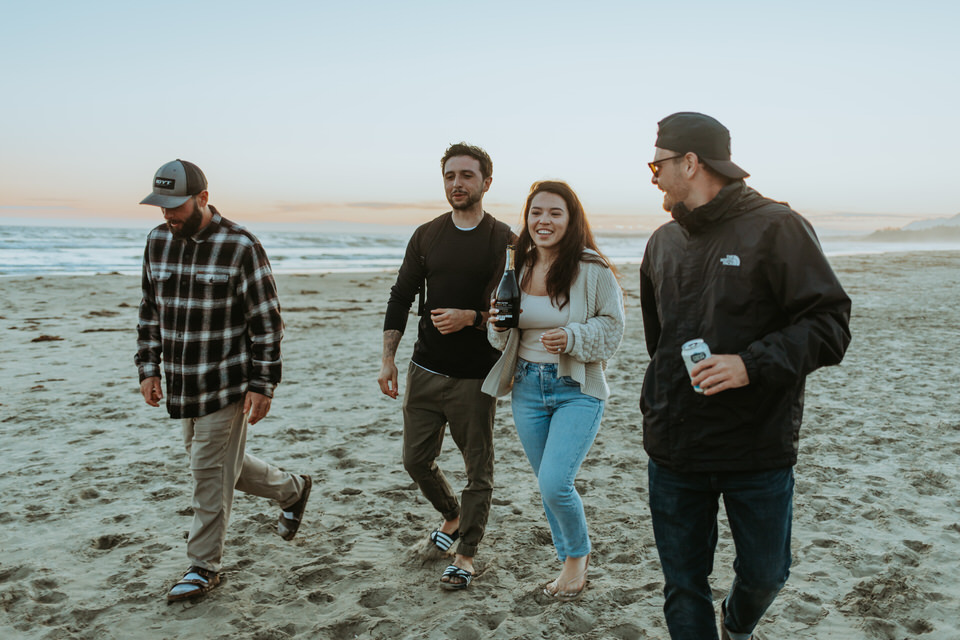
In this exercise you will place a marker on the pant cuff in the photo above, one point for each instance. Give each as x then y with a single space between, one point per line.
451 515
209 566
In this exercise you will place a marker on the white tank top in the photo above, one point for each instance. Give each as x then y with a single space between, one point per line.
539 315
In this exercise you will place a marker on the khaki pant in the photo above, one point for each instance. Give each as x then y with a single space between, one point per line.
215 444
430 402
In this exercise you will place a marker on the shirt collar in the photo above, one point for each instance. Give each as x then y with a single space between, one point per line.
212 227
706 214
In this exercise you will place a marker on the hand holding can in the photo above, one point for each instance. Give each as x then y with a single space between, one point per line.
694 352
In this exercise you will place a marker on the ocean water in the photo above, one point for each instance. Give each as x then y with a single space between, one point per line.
52 250
74 250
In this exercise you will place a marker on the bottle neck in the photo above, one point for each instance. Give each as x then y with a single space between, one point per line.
510 258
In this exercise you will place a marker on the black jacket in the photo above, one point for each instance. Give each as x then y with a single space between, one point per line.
746 274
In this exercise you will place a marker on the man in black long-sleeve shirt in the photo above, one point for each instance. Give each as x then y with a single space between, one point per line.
457 255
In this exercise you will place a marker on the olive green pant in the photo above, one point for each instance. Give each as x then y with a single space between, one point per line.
430 402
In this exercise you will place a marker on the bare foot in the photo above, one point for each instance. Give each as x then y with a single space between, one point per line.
446 534
449 526
571 581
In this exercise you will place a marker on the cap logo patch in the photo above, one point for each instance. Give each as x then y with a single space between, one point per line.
164 183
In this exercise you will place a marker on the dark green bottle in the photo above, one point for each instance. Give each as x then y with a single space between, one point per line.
508 295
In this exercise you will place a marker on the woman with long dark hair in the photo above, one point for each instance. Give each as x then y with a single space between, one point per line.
571 323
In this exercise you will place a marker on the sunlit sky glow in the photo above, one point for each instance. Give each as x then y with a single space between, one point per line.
305 111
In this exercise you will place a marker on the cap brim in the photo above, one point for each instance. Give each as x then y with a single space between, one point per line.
167 202
725 168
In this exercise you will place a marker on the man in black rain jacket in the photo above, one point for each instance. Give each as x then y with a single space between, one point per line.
747 275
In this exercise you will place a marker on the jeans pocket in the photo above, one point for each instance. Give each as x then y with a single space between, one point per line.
570 382
519 373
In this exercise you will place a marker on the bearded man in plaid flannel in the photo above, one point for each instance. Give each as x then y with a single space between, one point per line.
210 313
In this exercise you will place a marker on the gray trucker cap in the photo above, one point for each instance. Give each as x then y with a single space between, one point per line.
174 183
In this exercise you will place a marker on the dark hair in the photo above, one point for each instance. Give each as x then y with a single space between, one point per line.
464 149
571 249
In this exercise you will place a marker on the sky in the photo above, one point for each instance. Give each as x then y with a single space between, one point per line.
308 111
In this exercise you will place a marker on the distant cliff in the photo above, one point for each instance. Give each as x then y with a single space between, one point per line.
939 229
921 225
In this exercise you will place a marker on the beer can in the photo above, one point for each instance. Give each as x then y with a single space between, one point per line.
692 353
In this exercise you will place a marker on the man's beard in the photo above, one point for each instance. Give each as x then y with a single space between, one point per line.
470 200
668 203
673 196
190 226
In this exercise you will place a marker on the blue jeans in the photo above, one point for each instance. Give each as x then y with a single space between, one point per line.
556 423
684 508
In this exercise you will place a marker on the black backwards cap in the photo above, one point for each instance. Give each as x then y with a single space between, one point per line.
688 131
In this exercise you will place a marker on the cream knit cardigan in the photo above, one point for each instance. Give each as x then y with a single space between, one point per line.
594 333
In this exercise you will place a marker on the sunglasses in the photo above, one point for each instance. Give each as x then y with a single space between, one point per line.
655 165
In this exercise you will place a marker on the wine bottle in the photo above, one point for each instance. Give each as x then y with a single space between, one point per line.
508 295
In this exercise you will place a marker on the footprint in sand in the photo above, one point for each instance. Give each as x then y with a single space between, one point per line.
84 617
627 631
530 603
89 493
45 591
15 574
541 536
493 619
348 463
320 597
166 493
374 598
353 627
627 597
462 627
918 546
308 576
109 541
35 512
387 629
807 610
576 620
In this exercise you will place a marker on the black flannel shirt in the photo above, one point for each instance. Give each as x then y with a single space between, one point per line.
210 308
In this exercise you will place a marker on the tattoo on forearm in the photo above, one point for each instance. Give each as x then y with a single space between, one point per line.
391 340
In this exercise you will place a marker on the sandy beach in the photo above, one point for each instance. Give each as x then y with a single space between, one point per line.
95 488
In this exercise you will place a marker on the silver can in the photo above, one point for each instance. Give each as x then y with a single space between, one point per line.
692 353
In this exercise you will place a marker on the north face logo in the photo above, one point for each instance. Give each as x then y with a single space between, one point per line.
731 260
164 183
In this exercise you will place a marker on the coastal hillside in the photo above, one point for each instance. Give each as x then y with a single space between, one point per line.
934 230
921 225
